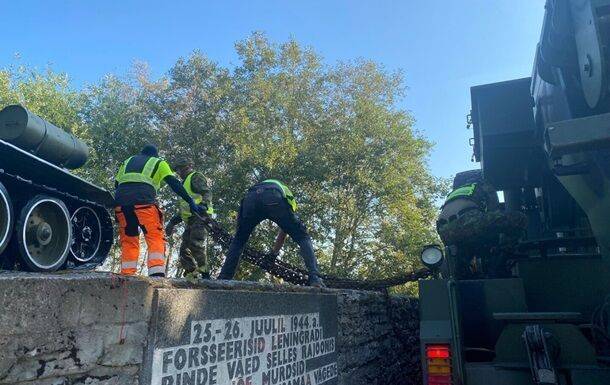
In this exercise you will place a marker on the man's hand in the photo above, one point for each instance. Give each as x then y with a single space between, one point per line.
195 209
169 229
204 206
171 225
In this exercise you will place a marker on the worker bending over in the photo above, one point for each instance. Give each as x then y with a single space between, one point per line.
137 182
193 249
272 200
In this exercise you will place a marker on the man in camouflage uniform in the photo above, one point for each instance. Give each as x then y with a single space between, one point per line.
193 249
472 221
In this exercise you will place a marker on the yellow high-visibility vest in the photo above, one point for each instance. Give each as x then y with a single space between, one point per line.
286 192
149 173
185 210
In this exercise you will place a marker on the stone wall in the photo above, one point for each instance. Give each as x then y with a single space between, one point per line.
92 328
68 329
378 339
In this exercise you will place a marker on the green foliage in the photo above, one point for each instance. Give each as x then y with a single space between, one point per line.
47 94
333 133
116 125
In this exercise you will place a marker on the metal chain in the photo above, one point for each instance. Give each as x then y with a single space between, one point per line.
298 276
267 262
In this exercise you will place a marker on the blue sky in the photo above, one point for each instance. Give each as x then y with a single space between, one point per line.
443 47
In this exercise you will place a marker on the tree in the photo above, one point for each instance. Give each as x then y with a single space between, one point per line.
116 124
334 133
45 93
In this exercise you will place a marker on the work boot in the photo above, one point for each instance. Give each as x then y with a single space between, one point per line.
315 281
197 275
191 277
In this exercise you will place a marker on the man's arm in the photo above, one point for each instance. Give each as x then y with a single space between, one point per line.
200 185
166 175
177 187
279 242
169 229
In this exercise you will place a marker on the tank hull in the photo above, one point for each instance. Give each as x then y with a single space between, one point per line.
18 162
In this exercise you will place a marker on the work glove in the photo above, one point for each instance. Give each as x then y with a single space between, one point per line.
204 206
195 209
197 275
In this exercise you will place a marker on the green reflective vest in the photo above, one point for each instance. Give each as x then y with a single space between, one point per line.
466 191
285 192
146 175
185 210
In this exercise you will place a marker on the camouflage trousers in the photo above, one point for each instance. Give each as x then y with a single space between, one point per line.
193 250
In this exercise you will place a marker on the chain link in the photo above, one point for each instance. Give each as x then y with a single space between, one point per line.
298 276
267 262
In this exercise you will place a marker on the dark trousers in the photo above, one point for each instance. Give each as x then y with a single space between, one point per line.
267 203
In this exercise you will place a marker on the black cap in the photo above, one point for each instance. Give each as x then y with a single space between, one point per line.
150 150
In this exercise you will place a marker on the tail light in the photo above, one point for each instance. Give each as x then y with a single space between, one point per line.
438 357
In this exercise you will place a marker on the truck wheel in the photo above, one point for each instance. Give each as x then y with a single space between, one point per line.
6 218
44 234
86 233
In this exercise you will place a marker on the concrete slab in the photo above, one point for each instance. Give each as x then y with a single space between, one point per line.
86 328
237 337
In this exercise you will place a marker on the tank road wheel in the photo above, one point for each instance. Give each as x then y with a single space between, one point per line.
6 218
86 234
44 234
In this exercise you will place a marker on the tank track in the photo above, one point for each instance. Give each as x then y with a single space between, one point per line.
298 276
51 190
72 200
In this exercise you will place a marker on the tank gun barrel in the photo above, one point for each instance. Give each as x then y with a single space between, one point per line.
31 133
